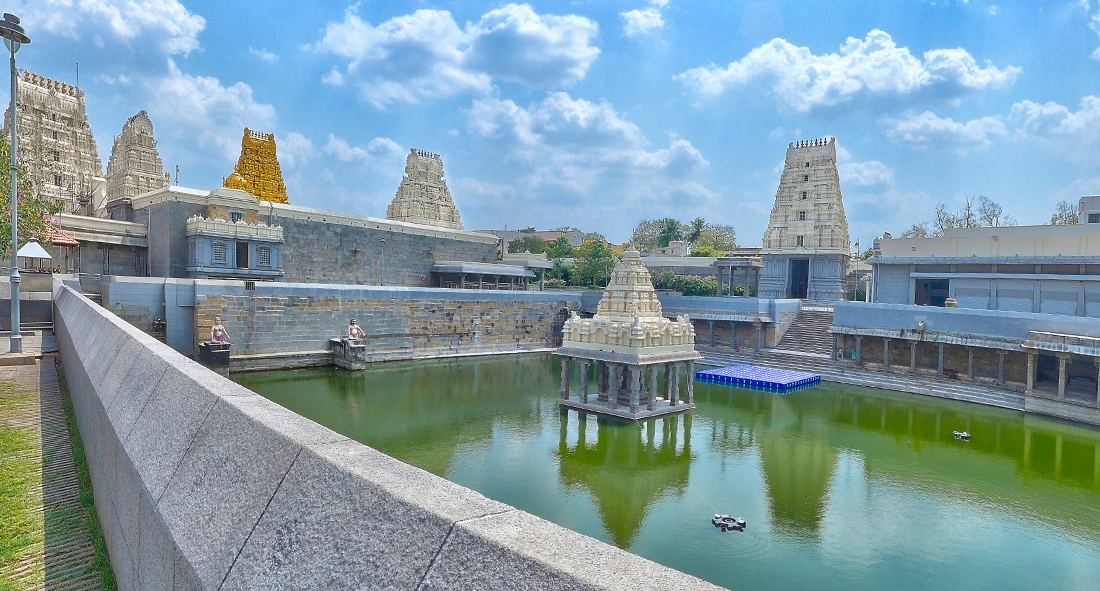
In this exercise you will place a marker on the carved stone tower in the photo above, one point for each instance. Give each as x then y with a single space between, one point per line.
55 139
805 249
423 197
257 169
135 166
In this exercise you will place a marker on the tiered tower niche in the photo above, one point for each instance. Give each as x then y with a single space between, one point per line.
805 248
135 166
54 137
423 197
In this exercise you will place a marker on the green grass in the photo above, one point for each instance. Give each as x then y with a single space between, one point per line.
102 562
22 530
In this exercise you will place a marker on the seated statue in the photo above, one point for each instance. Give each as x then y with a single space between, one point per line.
355 332
218 334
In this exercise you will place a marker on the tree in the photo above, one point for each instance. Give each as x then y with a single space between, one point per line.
527 230
870 252
33 206
645 235
671 230
719 237
704 251
1065 214
592 264
531 244
919 230
559 248
594 237
695 228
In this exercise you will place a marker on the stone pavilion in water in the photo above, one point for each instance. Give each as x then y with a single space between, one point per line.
630 341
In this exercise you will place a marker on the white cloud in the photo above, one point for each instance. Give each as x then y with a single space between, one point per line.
202 109
426 54
380 148
587 160
873 66
174 28
866 174
264 54
641 22
927 130
1075 132
1094 24
295 150
121 79
659 3
992 10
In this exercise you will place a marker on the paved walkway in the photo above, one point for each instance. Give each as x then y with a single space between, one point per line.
58 552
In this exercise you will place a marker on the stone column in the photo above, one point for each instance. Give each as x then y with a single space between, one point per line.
756 325
612 384
1097 360
496 282
583 370
939 366
691 382
1032 363
1001 368
651 399
886 353
601 373
835 347
710 335
565 378
542 279
970 363
480 281
859 350
634 380
912 356
462 280
526 283
1062 359
675 384
733 334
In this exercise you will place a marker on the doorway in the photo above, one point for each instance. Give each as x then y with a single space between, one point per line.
242 255
932 292
799 279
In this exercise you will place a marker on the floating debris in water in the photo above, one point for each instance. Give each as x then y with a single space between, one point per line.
963 435
727 523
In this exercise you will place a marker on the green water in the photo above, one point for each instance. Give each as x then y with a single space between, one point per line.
842 487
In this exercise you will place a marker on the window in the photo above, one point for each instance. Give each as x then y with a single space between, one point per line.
805 177
802 216
798 240
807 165
1094 218
235 216
57 180
55 135
242 255
219 252
56 156
264 254
804 194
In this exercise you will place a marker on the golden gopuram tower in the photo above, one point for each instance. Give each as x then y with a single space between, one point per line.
257 169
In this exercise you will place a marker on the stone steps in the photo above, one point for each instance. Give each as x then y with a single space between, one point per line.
835 372
809 333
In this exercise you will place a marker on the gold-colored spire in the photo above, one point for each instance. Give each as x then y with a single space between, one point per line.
257 169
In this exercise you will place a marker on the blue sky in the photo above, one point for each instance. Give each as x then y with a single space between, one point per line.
599 114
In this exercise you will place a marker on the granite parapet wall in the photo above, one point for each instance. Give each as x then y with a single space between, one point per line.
202 484
399 322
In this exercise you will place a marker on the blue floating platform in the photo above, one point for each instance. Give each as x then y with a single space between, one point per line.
759 378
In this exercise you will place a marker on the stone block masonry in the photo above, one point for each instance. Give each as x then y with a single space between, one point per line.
279 319
202 484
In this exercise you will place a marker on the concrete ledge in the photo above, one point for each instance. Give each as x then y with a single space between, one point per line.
201 484
1062 408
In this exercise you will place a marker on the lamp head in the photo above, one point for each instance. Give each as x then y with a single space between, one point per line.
12 32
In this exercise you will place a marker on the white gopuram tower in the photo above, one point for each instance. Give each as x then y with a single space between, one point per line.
805 250
135 166
423 197
55 139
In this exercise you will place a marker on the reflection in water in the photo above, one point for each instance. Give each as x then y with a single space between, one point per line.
843 487
627 468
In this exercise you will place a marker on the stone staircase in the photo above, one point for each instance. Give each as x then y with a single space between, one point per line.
809 333
871 376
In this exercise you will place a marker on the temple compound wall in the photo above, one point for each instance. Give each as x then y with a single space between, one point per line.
200 483
805 248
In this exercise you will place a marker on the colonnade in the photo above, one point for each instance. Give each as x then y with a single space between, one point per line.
886 343
1063 362
733 333
631 385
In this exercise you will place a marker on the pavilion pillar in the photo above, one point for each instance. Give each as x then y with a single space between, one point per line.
651 398
480 281
1062 359
601 383
583 366
757 326
886 353
733 334
634 379
939 365
913 356
675 384
565 378
710 335
462 280
526 283
859 350
496 282
612 384
1032 362
691 382
970 363
1001 369
542 279
835 346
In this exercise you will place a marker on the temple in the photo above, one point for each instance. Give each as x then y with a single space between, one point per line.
423 197
135 166
630 340
806 246
55 139
257 170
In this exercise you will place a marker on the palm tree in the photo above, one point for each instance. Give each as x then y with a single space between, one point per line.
696 228
670 230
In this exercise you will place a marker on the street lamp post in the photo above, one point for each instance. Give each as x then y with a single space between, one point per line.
14 37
